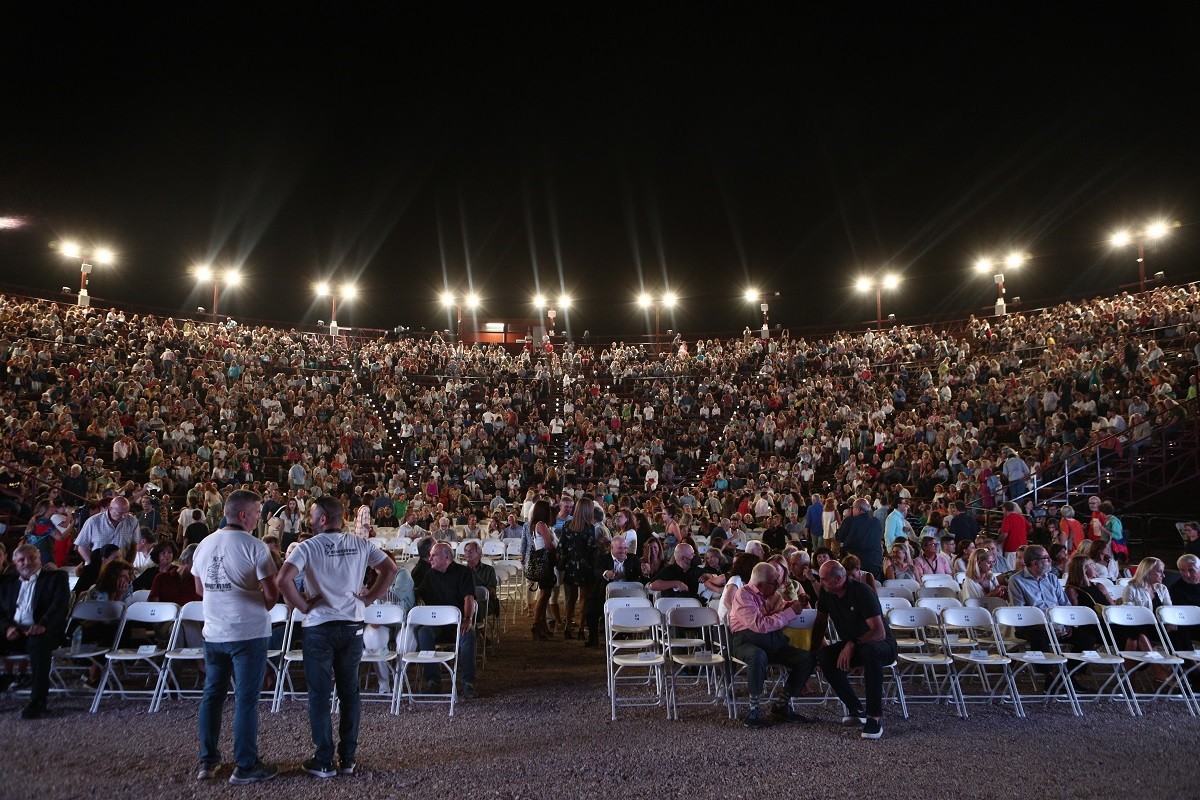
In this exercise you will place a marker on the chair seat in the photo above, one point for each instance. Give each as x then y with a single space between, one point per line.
436 657
698 659
628 643
1046 658
86 652
369 657
907 642
937 642
1190 655
989 659
926 659
1102 658
1140 655
636 661
685 642
133 655
185 653
293 655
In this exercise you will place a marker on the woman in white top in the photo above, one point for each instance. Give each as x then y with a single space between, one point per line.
830 522
1148 591
981 581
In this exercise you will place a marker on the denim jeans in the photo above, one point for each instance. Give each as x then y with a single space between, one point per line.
332 653
429 635
245 662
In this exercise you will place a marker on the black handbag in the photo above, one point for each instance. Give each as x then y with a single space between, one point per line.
537 566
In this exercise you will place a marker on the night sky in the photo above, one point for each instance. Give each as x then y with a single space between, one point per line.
596 149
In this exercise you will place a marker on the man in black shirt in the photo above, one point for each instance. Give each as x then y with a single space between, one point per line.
964 527
679 578
448 583
775 536
866 641
196 530
1186 592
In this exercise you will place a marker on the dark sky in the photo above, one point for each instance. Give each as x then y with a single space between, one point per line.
597 148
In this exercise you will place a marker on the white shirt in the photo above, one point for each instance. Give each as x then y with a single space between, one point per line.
334 565
24 613
232 565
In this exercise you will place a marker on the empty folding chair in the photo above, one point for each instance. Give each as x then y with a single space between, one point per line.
695 642
447 659
912 627
946 581
644 625
903 583
150 655
493 549
1144 662
976 662
1183 617
624 589
291 655
280 618
888 603
936 590
1037 661
1104 657
895 591
957 639
191 614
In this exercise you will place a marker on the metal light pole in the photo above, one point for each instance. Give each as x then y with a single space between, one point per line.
230 277
1151 232
888 281
100 255
348 293
1012 261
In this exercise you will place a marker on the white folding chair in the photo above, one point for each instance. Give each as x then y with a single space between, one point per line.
624 589
149 655
290 656
430 616
643 651
946 581
1143 661
903 583
1031 661
611 605
191 613
937 605
935 590
1105 656
699 646
1183 617
493 548
89 655
279 617
140 596
888 603
392 618
911 627
895 591
969 622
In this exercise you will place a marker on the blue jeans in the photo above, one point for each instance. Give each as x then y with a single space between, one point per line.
429 635
332 653
245 662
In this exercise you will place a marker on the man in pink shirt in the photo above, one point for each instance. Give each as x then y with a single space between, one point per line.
756 622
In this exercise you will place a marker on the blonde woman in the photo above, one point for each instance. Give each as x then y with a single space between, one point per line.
981 580
830 521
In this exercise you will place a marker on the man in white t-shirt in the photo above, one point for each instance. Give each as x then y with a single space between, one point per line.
232 570
334 566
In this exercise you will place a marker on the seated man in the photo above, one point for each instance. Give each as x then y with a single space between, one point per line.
678 578
756 624
1186 592
618 564
484 575
1037 586
33 615
866 641
449 584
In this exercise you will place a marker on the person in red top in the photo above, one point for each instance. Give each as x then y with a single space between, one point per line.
1070 530
1014 533
1098 520
176 585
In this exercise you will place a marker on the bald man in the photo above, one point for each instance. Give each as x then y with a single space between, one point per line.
113 525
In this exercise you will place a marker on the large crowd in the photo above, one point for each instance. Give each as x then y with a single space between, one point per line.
125 437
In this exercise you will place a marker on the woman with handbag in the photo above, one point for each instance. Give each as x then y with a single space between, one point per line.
539 564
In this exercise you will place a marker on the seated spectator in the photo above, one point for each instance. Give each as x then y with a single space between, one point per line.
162 558
981 579
1081 590
899 565
33 614
739 576
756 620
449 584
679 578
855 571
931 561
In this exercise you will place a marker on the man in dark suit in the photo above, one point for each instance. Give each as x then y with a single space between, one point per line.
618 564
33 614
862 534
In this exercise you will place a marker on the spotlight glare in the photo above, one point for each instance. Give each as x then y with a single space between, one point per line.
70 250
983 265
1157 230
349 291
751 295
864 285
669 299
1121 238
204 273
890 281
103 256
472 301
644 300
233 277
322 289
539 300
1014 260
447 299
564 301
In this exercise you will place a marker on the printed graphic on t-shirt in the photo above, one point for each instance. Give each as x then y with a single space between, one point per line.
215 579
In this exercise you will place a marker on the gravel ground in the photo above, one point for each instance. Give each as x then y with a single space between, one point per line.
541 728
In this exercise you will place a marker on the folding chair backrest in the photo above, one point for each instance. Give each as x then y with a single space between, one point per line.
1073 616
888 603
147 612
493 548
911 618
1183 616
619 585
624 591
383 615
636 618
895 591
904 583
192 612
805 619
667 604
962 617
98 610
434 615
279 613
938 604
1129 615
614 603
990 603
1020 616
140 596
692 617
937 591
939 580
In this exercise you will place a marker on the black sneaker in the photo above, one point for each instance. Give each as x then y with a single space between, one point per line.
314 767
754 719
783 710
468 692
207 770
347 766
35 710
873 729
259 772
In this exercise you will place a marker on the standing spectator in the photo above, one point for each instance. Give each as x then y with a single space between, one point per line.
232 574
1014 533
862 535
334 565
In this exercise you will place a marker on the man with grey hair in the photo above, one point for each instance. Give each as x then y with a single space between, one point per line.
1186 592
866 641
756 622
861 534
